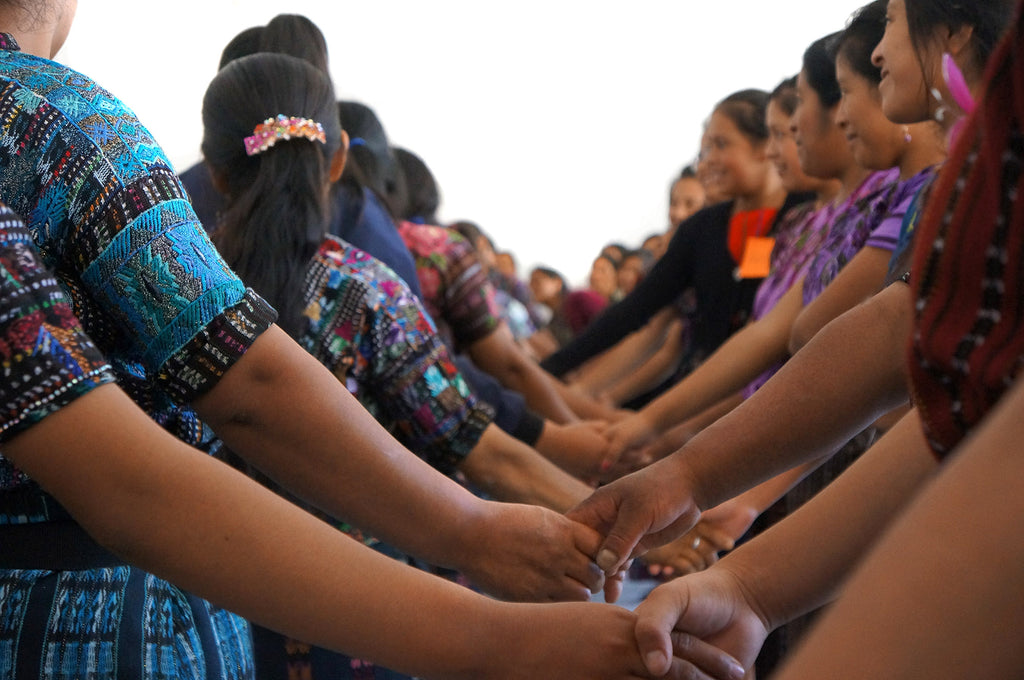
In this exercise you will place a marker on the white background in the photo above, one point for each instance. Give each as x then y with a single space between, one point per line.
556 125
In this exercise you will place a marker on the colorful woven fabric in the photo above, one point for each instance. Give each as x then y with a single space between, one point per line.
46 359
111 221
367 327
456 290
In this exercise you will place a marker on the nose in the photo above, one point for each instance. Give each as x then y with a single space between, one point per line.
876 56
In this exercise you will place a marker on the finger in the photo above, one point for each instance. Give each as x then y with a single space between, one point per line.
613 587
587 573
716 536
657 616
710 661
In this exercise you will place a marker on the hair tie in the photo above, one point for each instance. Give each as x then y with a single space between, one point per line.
266 134
356 141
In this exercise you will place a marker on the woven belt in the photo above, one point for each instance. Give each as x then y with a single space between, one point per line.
55 546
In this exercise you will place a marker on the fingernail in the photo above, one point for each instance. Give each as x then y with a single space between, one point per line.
737 671
607 560
655 662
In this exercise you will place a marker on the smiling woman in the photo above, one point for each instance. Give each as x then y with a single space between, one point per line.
589 87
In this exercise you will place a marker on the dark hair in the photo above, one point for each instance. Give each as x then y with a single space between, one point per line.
688 172
242 45
552 274
472 232
277 208
858 40
296 35
371 159
416 194
988 19
746 108
819 69
291 34
784 96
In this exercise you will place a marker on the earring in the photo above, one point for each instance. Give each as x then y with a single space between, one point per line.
940 112
906 134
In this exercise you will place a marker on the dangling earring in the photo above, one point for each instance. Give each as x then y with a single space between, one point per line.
906 134
940 112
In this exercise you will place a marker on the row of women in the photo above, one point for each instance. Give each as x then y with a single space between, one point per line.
875 368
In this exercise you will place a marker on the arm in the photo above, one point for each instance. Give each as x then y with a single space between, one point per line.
939 597
610 367
656 369
812 406
174 511
745 355
861 278
500 355
509 470
797 565
330 452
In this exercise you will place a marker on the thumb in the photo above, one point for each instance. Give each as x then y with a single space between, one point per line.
656 618
620 541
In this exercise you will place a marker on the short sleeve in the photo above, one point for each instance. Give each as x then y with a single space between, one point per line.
46 358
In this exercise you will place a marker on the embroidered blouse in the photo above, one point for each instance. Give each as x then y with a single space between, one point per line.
368 328
111 220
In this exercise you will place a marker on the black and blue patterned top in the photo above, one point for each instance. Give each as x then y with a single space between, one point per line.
111 220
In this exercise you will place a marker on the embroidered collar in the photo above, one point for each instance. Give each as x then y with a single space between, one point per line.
7 42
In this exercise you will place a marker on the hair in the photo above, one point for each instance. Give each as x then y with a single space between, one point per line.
277 208
472 232
242 45
688 172
784 96
988 19
856 43
417 196
371 161
746 109
819 69
291 34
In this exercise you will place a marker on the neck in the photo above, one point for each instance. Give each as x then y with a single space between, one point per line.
852 177
34 37
771 195
827 192
925 149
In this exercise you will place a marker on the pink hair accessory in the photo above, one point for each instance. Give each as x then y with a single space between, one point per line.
266 134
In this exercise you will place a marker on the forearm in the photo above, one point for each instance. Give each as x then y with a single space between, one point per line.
811 407
511 471
658 368
940 596
743 357
616 364
240 539
798 564
330 451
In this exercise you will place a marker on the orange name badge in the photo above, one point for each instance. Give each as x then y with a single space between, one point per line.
757 258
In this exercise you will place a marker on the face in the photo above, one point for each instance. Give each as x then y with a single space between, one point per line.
782 149
630 273
506 264
543 287
603 277
905 97
731 165
875 141
686 198
816 135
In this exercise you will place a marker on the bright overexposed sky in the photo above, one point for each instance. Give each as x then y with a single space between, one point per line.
557 125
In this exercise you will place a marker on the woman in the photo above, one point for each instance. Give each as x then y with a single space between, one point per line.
814 403
851 260
707 249
186 339
898 603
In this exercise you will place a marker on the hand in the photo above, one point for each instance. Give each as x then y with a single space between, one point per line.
639 512
709 606
530 554
731 519
626 436
696 550
581 447
594 641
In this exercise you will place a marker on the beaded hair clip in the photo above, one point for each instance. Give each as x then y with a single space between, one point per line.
266 134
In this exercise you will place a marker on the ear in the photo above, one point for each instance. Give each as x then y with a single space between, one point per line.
220 183
339 158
